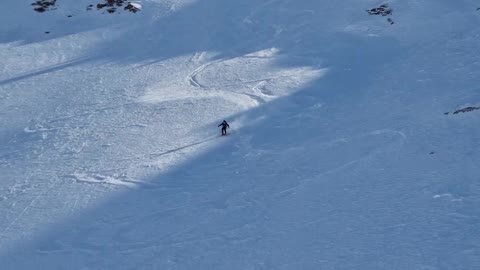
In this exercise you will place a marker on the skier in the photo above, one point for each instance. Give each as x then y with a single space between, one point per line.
224 125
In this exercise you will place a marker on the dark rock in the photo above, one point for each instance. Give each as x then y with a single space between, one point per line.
383 10
112 6
467 109
131 8
44 5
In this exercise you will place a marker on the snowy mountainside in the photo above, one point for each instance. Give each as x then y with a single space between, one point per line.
351 143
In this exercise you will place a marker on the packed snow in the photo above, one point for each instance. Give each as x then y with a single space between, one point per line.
353 143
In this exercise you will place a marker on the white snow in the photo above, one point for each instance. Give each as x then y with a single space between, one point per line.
136 5
340 153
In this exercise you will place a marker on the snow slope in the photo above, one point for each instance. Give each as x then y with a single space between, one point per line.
340 154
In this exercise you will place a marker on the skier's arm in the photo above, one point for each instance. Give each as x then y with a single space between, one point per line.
228 126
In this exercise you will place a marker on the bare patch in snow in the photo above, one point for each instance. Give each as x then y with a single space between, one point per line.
44 5
467 109
464 110
383 10
112 5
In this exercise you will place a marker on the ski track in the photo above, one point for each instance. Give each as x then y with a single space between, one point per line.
253 13
256 92
349 164
102 179
24 210
192 79
258 95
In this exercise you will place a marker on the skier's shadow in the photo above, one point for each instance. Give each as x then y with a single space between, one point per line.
182 147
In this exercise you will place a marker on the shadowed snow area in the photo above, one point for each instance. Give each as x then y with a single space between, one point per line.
343 152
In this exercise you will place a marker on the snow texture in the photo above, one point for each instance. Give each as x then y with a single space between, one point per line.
341 152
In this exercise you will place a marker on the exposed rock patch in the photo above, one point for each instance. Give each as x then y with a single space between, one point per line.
467 109
382 10
111 6
133 7
464 110
44 5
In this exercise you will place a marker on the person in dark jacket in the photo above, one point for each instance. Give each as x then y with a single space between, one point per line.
224 125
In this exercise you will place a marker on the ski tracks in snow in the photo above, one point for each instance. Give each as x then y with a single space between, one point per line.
193 80
362 148
247 76
192 77
29 205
